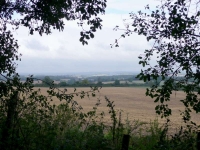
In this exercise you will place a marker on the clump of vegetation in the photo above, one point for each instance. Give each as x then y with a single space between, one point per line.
29 121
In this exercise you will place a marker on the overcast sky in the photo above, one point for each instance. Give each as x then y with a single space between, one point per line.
62 53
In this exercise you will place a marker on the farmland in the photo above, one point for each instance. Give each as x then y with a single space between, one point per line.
133 102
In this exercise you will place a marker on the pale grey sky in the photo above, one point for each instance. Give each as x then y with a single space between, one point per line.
62 53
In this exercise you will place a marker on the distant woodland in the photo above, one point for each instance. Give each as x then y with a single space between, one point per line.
86 81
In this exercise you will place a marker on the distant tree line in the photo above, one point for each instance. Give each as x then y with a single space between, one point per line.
47 81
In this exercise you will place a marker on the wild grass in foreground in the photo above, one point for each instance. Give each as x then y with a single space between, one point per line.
33 123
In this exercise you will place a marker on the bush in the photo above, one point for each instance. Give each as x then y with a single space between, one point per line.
29 121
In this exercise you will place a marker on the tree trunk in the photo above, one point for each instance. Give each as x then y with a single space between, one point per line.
7 141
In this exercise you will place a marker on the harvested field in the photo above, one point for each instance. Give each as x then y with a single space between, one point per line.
133 102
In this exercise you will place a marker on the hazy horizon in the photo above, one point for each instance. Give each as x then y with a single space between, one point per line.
81 73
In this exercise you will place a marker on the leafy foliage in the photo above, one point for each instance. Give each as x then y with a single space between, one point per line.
40 16
173 28
47 80
28 119
25 114
117 82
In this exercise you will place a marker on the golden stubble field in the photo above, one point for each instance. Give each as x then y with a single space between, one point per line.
133 102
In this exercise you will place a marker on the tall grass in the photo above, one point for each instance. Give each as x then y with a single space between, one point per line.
39 125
